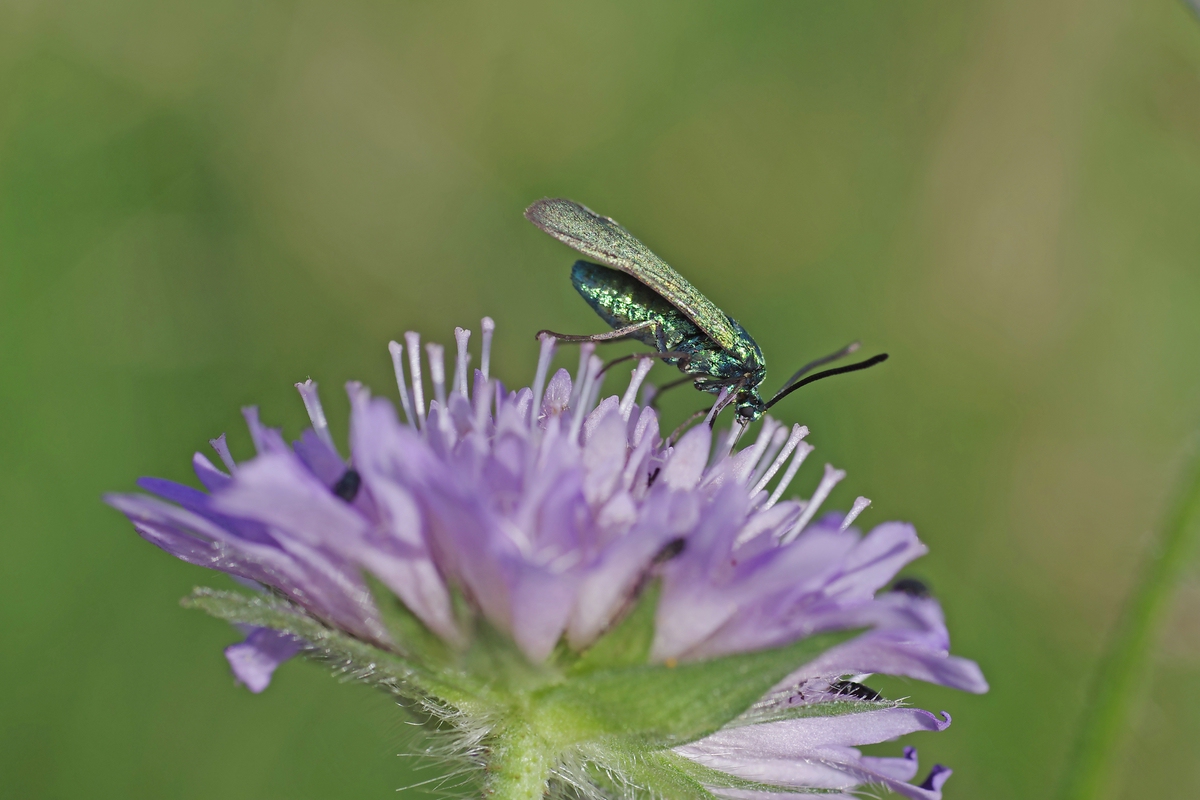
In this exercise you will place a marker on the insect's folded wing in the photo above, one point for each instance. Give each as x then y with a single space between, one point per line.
607 242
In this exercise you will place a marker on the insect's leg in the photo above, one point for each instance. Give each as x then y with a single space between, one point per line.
660 389
724 400
619 333
687 423
631 356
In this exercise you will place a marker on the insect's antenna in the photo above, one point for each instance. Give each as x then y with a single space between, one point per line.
829 373
810 366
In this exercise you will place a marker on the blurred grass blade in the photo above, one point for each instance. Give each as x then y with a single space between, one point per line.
1114 690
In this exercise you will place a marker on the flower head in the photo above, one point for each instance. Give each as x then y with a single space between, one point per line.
589 603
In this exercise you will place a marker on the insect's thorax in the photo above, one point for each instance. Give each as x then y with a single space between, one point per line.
621 300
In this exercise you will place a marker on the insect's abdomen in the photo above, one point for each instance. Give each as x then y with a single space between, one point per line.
622 300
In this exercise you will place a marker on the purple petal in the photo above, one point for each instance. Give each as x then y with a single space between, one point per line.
321 459
255 660
879 653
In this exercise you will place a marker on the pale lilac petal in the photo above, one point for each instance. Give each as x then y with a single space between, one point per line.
276 490
320 458
688 459
878 653
209 475
254 661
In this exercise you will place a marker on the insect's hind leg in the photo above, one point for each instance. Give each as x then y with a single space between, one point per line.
619 333
658 390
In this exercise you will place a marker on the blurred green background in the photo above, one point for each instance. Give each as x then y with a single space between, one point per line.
203 202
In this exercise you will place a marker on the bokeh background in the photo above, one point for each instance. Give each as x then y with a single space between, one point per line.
204 202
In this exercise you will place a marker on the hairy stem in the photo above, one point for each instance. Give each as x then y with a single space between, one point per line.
1114 690
518 765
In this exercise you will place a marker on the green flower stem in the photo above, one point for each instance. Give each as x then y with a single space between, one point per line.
1114 691
519 765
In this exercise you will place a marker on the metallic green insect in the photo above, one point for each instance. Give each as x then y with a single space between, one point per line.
640 296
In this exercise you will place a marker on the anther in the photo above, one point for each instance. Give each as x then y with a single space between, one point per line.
397 352
860 505
222 449
312 404
461 337
831 479
488 326
413 340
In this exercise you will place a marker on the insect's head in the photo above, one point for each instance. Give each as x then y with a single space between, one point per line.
750 406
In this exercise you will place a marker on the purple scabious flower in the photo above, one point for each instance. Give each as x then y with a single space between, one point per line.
595 608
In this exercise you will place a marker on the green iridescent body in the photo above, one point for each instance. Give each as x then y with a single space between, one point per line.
635 286
622 301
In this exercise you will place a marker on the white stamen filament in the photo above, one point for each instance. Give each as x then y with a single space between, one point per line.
312 404
222 449
539 378
717 406
649 392
413 340
802 451
488 326
639 375
778 436
585 354
588 370
250 414
397 352
729 441
860 505
596 370
798 433
830 480
765 435
462 337
437 372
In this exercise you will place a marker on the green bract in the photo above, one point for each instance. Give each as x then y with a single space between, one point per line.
606 714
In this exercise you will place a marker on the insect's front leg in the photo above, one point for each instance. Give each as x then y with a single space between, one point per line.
619 333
